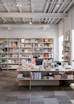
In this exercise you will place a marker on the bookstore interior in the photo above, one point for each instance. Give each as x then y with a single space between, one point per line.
39 45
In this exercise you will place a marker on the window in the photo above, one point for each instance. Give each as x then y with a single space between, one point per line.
60 47
72 47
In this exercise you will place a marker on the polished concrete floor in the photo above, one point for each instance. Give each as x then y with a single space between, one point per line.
11 93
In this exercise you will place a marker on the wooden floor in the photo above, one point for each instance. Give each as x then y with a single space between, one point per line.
11 93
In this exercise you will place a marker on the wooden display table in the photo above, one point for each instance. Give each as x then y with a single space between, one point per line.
35 77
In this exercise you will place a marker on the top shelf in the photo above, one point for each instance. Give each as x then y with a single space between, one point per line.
50 70
37 40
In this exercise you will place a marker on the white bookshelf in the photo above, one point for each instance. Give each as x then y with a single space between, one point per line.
67 51
14 50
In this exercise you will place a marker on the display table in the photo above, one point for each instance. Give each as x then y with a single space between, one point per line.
35 77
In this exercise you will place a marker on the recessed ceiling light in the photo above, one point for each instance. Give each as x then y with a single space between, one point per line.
57 5
9 28
30 23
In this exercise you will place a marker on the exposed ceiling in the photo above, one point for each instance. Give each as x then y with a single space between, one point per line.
34 11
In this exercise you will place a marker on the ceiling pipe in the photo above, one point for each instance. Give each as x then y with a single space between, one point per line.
64 3
50 9
65 9
56 8
20 10
5 5
4 20
46 7
57 21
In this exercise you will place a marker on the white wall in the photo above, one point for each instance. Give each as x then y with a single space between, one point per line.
67 25
51 32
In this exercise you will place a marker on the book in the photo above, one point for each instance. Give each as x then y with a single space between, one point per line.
46 55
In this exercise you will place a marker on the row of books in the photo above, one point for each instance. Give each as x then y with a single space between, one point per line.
39 76
36 40
15 44
36 75
9 66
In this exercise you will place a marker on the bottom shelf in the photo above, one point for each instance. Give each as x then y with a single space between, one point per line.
31 83
37 82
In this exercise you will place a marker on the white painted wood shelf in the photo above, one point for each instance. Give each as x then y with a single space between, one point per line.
14 50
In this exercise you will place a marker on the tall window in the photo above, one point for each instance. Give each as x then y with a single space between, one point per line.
72 47
60 47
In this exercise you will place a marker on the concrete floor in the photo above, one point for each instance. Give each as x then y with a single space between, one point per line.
11 93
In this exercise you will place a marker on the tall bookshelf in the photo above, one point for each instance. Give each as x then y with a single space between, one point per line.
3 53
67 48
14 50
